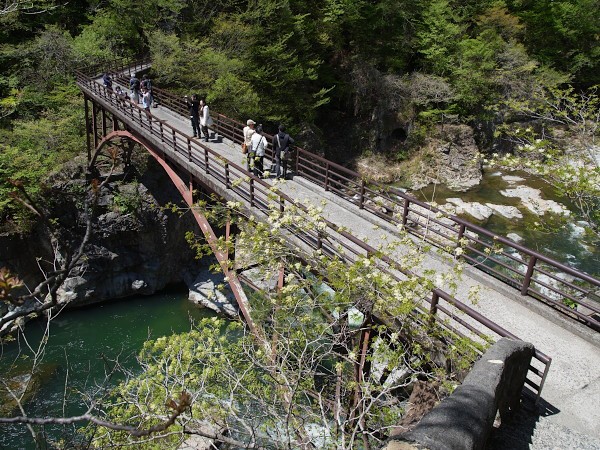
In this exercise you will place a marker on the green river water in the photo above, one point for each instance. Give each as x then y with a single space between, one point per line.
79 339
567 245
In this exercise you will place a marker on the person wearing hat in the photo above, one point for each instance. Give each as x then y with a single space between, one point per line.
247 143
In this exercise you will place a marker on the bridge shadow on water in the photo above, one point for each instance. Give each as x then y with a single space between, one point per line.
517 432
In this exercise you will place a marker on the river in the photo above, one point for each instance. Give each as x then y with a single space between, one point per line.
80 341
568 245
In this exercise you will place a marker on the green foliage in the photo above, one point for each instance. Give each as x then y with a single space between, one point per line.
110 35
274 384
36 146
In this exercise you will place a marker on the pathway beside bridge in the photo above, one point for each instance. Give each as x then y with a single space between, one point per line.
572 389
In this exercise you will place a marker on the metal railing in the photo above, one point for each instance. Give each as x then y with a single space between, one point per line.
457 318
568 290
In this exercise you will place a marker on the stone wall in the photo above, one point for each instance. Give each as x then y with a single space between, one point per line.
464 420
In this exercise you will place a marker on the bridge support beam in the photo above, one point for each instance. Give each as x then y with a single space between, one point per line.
87 127
186 191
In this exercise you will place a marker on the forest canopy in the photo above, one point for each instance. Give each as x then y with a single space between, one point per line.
330 69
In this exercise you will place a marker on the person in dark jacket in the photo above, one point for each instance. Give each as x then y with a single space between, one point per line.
281 150
134 86
194 105
107 80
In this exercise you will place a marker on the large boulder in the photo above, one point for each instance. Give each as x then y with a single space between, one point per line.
451 157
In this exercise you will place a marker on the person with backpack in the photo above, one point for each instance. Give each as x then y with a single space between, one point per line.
258 147
147 84
205 119
194 105
282 151
134 87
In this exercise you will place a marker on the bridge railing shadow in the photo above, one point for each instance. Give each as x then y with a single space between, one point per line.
461 322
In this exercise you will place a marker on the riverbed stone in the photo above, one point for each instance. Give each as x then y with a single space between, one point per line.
532 200
475 209
514 237
211 291
506 211
512 179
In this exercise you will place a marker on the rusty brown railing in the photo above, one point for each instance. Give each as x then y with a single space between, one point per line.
570 291
200 161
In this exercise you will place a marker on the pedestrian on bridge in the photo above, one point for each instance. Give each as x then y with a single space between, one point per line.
247 144
259 145
134 87
146 99
282 151
205 119
107 80
194 107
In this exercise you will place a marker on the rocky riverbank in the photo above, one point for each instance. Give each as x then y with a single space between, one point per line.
137 246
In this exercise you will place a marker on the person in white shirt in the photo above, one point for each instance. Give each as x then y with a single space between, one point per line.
205 119
259 146
248 132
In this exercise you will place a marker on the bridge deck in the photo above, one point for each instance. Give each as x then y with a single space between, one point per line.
573 384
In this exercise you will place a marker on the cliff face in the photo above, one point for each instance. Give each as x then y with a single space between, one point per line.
137 246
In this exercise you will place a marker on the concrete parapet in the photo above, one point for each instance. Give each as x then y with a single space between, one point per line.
464 420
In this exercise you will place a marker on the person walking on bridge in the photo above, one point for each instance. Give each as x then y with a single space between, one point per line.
205 119
194 107
259 145
107 81
146 100
134 87
281 150
248 132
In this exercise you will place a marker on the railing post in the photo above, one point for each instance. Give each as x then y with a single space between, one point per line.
174 140
189 147
281 205
405 211
251 192
461 232
326 176
162 136
361 204
227 185
94 125
206 160
435 298
528 274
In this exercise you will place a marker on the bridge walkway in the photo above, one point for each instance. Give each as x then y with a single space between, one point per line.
572 388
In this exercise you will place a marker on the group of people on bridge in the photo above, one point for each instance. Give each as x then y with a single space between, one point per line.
254 144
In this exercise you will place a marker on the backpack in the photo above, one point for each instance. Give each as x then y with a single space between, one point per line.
136 84
146 84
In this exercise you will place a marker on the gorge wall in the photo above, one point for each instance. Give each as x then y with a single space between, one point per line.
137 247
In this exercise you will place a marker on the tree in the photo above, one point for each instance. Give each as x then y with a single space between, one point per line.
304 377
562 148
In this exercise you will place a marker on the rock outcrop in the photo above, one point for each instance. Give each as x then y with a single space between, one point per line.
137 245
451 158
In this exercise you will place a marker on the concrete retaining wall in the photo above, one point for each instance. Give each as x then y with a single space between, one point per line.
464 420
